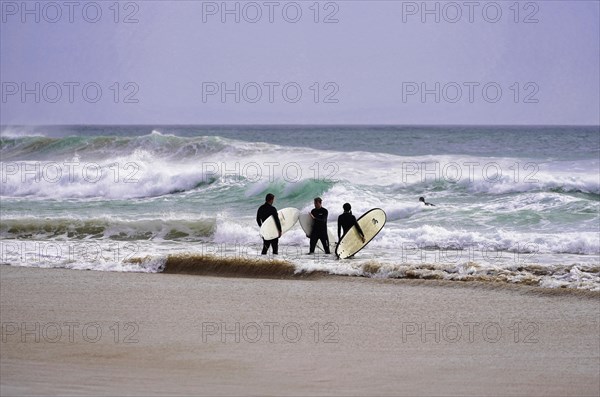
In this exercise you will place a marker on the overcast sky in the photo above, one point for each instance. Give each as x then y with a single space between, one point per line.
340 62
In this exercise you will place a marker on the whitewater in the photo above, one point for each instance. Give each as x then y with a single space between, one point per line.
512 204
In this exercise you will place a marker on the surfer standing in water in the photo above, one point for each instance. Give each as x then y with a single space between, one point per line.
346 221
263 213
422 200
319 230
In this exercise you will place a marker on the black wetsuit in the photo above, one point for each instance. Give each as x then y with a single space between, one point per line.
264 212
319 229
345 223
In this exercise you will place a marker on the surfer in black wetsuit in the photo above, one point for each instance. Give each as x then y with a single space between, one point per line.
422 200
263 213
319 229
346 221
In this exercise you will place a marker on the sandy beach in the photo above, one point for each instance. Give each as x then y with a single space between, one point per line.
68 332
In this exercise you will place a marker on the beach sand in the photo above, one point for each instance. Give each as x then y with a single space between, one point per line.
317 336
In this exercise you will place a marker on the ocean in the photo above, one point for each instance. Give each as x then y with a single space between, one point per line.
514 204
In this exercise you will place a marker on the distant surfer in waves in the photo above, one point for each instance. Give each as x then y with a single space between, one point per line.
346 221
319 230
422 200
263 213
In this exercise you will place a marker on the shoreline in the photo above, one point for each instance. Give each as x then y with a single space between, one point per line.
357 336
232 267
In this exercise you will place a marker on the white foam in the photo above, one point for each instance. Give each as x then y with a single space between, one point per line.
19 132
169 163
438 237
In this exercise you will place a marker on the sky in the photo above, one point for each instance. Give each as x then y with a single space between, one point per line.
302 62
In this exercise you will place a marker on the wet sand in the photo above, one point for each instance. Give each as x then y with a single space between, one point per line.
67 332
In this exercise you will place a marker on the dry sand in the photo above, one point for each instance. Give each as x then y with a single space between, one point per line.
375 337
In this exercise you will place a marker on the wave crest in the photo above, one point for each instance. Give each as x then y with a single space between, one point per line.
107 228
222 266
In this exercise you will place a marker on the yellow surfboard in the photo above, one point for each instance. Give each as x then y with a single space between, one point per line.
371 224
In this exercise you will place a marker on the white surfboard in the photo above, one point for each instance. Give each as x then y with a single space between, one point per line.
306 221
287 217
371 224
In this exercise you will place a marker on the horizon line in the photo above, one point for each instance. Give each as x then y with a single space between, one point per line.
297 125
